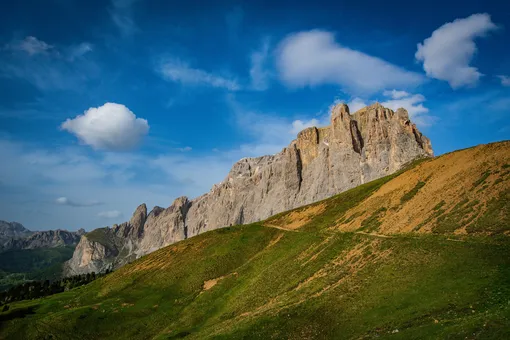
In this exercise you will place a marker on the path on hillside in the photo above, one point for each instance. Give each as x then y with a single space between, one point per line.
281 228
373 234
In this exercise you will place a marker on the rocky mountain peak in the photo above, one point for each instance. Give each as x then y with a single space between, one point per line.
12 230
340 110
321 162
139 217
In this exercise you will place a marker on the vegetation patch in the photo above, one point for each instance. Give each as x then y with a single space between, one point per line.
482 179
409 195
98 235
436 212
372 223
496 218
458 217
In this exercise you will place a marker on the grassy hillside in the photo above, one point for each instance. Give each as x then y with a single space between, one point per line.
420 254
19 266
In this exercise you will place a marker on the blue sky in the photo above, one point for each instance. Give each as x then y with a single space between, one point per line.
108 104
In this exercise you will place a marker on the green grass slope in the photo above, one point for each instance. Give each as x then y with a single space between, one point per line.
331 270
19 266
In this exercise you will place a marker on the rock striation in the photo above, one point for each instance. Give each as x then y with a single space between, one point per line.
354 149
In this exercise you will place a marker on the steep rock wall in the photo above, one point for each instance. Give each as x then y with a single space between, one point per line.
355 149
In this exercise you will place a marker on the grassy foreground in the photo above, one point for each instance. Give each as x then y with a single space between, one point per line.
338 269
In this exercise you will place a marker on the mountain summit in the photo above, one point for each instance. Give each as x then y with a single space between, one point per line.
354 149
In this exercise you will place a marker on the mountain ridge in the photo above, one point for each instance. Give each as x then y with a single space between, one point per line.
14 236
339 268
354 149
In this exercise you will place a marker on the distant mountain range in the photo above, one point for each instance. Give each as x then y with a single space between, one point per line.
14 236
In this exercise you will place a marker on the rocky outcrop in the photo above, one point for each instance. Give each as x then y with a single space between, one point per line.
355 149
100 250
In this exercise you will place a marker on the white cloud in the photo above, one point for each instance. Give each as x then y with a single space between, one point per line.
413 103
356 104
111 126
505 80
30 45
66 201
446 54
314 57
110 214
185 149
259 73
178 71
299 125
396 94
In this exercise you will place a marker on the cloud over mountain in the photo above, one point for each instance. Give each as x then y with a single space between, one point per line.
312 58
447 53
66 201
180 72
110 127
109 214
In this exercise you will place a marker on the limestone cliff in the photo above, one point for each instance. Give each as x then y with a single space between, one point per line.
354 149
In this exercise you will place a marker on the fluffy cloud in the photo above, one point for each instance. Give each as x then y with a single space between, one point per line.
314 57
178 71
111 127
446 54
71 203
505 80
259 73
356 104
110 214
413 103
299 125
396 94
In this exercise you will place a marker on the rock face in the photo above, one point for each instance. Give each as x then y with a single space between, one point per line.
14 235
355 149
